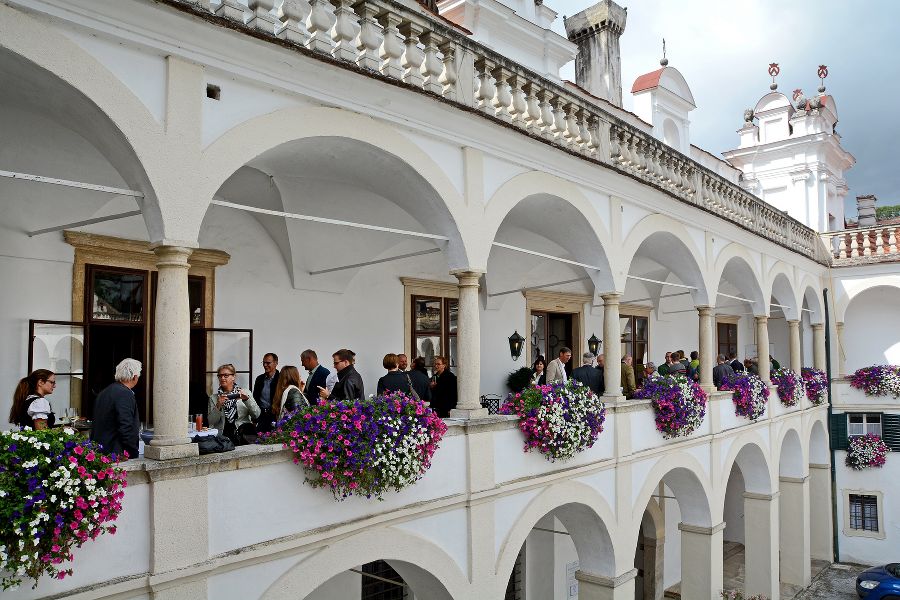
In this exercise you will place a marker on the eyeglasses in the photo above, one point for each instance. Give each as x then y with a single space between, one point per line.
51 381
225 375
268 362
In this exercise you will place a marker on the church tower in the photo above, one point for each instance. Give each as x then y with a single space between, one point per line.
791 155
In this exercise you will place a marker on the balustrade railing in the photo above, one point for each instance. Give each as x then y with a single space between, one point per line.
868 244
404 42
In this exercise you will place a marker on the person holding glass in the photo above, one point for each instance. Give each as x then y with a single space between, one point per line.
288 394
30 406
231 408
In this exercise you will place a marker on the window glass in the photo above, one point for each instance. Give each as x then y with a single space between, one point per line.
428 346
453 314
863 512
195 300
538 336
117 296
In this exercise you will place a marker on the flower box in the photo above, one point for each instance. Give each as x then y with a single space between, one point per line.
866 451
878 380
750 394
679 404
790 386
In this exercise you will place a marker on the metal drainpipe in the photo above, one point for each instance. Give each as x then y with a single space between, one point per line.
836 549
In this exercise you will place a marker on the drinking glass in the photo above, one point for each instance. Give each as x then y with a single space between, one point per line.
192 425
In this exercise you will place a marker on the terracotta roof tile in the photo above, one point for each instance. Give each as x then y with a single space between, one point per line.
647 81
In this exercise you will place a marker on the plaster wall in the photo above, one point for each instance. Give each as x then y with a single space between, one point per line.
734 507
869 550
870 325
340 587
672 549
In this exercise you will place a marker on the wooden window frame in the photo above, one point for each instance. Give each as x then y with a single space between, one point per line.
729 322
879 501
425 288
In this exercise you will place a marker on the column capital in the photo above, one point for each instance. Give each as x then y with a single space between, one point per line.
701 529
793 322
761 318
467 277
798 480
605 581
705 311
758 496
818 326
611 297
172 256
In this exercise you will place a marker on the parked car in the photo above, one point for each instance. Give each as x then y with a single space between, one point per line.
879 583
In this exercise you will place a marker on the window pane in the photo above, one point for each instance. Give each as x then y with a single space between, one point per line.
453 310
452 353
538 336
59 348
856 419
195 300
428 314
427 346
118 296
625 328
855 429
640 329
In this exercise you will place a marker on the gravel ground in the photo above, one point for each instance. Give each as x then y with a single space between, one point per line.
837 582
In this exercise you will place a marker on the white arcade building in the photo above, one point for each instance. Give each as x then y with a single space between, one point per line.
190 183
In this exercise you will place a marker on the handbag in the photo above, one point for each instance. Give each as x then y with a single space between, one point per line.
412 390
211 444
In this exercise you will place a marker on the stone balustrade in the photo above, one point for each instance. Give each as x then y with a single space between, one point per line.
403 42
864 245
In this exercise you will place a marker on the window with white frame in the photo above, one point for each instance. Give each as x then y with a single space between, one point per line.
863 512
863 424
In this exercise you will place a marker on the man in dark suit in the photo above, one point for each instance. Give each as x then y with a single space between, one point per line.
263 389
588 375
721 371
443 387
316 375
736 365
116 420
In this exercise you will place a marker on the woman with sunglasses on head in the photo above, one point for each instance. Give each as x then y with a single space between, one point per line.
30 407
231 408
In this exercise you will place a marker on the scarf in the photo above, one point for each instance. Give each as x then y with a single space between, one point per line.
230 408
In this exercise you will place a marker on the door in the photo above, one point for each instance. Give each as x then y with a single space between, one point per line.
551 331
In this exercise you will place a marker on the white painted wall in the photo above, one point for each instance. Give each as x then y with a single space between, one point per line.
672 550
871 327
734 507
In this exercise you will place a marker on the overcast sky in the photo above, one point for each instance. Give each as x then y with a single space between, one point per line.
723 48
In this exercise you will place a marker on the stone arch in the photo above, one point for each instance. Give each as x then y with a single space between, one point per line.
593 244
853 288
421 560
669 244
792 461
810 292
250 139
687 478
735 263
818 443
585 514
779 285
103 110
869 315
750 453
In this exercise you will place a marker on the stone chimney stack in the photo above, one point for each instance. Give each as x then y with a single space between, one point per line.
865 207
598 66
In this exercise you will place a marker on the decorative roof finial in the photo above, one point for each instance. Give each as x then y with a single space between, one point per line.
774 70
664 61
823 73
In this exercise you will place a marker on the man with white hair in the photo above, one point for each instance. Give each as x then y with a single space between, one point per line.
116 420
588 375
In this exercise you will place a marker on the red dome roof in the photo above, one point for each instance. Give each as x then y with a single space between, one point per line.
647 81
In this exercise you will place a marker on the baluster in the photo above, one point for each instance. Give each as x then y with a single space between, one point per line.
392 47
346 28
843 244
292 14
450 75
547 118
432 68
573 131
261 17
370 37
204 4
486 87
319 25
584 133
503 99
866 242
638 150
533 116
232 9
519 104
892 240
414 56
854 244
879 241
560 128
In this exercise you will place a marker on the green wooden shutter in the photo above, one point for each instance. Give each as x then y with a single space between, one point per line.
890 431
839 431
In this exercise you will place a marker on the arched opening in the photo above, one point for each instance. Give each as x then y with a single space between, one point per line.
649 556
739 300
671 135
381 580
869 315
794 512
820 518
750 539
783 316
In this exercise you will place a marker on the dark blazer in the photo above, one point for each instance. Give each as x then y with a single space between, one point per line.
737 366
720 372
590 377
258 388
602 379
349 385
311 389
420 383
116 420
443 394
394 381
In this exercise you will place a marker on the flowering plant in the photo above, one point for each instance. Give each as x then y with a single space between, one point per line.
878 380
816 382
750 394
739 595
56 492
680 405
560 419
866 451
362 447
790 386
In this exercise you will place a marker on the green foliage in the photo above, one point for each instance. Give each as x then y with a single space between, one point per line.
887 212
519 379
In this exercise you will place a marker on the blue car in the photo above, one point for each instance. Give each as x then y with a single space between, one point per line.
879 583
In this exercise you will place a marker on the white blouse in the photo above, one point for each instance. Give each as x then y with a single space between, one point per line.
39 408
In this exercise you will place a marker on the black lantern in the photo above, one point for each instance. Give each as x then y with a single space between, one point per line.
594 344
516 343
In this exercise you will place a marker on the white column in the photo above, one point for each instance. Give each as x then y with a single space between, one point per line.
612 337
820 533
707 347
701 561
468 340
171 367
794 341
762 347
761 544
819 346
795 529
842 358
598 587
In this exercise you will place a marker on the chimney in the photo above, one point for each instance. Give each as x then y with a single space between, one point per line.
598 66
865 207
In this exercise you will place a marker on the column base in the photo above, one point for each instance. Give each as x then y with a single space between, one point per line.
599 587
469 413
171 452
709 389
